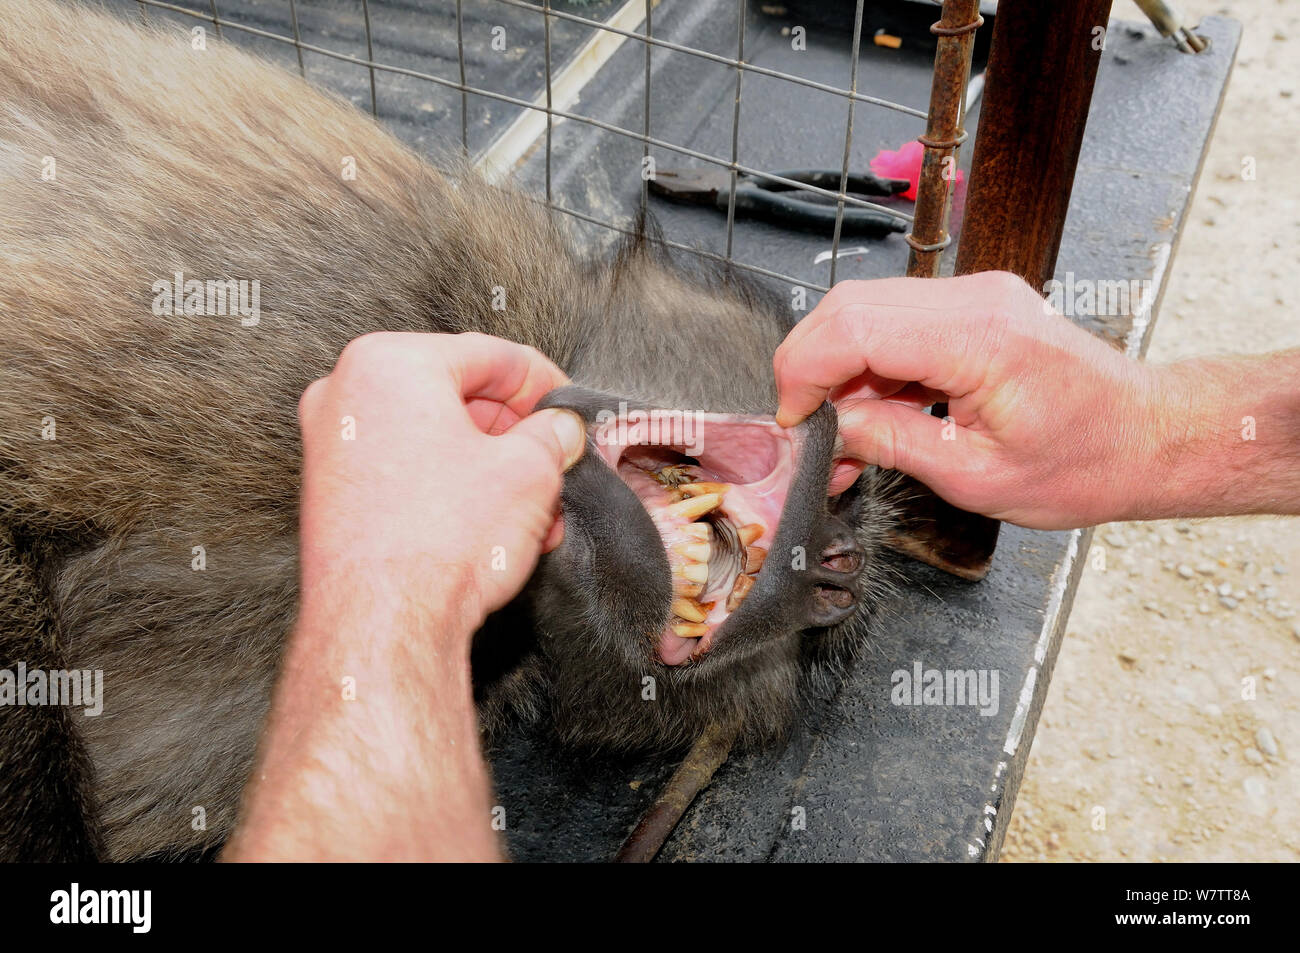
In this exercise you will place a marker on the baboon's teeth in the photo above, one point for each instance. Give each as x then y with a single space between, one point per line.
689 609
699 489
700 531
696 572
690 630
754 557
694 508
696 552
739 591
690 590
750 532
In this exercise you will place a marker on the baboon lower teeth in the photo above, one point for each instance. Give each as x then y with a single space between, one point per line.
750 532
700 531
690 630
689 609
754 557
739 591
696 507
686 588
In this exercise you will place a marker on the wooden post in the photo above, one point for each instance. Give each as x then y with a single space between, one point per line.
1037 92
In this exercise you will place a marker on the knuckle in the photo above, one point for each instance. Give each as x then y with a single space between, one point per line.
380 353
310 398
885 441
1007 284
852 326
843 293
534 356
367 349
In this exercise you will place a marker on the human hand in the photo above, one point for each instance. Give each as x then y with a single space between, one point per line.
1049 426
421 465
427 496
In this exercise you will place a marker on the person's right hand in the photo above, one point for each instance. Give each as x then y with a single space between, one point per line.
1050 427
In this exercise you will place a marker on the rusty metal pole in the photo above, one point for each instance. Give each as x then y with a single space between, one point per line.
943 136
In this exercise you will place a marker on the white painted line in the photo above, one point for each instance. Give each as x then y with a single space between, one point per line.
1060 582
502 156
1142 318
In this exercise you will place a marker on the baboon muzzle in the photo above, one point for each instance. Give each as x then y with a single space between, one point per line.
728 519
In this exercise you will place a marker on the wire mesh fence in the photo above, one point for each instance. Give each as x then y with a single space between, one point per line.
631 22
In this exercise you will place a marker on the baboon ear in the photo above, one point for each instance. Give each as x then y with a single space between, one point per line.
935 532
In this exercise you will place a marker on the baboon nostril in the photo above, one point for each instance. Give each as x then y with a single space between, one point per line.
835 596
843 562
831 605
842 554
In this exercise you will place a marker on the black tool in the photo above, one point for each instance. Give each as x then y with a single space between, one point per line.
782 204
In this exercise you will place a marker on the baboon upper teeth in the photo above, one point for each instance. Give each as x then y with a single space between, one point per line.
684 587
699 489
750 532
696 507
700 531
698 552
696 572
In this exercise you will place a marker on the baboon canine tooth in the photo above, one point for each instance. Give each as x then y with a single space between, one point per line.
750 532
696 507
739 591
699 489
690 630
754 557
689 609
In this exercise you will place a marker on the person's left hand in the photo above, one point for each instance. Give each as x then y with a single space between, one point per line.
421 464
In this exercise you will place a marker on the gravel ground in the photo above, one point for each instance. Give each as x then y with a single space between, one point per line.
1172 728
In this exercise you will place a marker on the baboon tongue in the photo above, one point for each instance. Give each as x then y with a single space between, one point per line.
715 486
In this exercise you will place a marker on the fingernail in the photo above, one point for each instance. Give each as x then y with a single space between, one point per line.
571 431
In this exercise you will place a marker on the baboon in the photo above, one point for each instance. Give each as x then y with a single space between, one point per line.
149 449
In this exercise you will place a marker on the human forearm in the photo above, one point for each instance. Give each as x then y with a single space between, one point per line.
1229 439
371 751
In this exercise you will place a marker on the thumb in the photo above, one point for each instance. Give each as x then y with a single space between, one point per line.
561 433
897 436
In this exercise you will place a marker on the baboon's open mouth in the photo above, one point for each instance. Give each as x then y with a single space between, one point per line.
714 485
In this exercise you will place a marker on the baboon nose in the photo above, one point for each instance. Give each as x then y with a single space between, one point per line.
835 579
831 604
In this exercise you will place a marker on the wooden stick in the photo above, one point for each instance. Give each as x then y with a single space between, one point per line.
691 777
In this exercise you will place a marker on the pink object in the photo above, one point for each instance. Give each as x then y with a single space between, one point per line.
903 164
